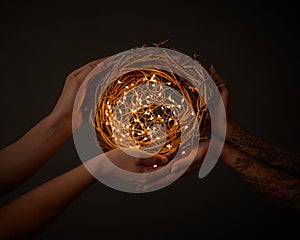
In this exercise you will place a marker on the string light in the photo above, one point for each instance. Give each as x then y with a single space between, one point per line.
142 109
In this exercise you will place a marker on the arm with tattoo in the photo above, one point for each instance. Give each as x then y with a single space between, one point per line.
264 152
277 185
252 146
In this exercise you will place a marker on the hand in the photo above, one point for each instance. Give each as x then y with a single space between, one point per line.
170 173
62 112
137 162
225 95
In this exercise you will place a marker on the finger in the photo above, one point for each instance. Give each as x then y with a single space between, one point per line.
180 168
204 66
156 160
191 169
197 154
180 164
78 77
221 85
83 71
212 69
91 64
216 77
167 179
157 173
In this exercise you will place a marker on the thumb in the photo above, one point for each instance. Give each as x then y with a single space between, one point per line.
157 159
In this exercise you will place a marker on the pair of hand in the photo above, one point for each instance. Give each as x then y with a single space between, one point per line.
62 113
159 171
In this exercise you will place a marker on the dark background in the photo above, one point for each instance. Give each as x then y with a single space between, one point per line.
254 46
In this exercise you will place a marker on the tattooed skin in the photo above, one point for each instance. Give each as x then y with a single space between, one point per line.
277 185
266 153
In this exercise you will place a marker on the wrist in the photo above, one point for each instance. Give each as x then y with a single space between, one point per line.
231 127
60 125
98 166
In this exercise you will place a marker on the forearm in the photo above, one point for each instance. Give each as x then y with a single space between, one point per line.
242 140
23 158
277 185
36 209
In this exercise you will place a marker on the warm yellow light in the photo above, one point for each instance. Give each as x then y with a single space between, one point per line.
144 112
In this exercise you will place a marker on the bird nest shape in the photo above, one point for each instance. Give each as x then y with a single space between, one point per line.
151 109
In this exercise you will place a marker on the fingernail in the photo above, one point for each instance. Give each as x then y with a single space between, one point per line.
175 169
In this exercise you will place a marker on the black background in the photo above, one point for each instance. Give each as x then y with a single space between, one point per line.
253 45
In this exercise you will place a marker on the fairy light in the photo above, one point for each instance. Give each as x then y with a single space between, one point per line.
120 100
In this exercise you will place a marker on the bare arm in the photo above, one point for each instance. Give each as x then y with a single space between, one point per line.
22 159
35 210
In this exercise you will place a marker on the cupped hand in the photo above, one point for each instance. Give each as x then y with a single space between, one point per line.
135 160
225 95
111 164
62 112
171 171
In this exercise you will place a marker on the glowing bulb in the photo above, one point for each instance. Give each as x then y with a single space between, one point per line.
153 78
